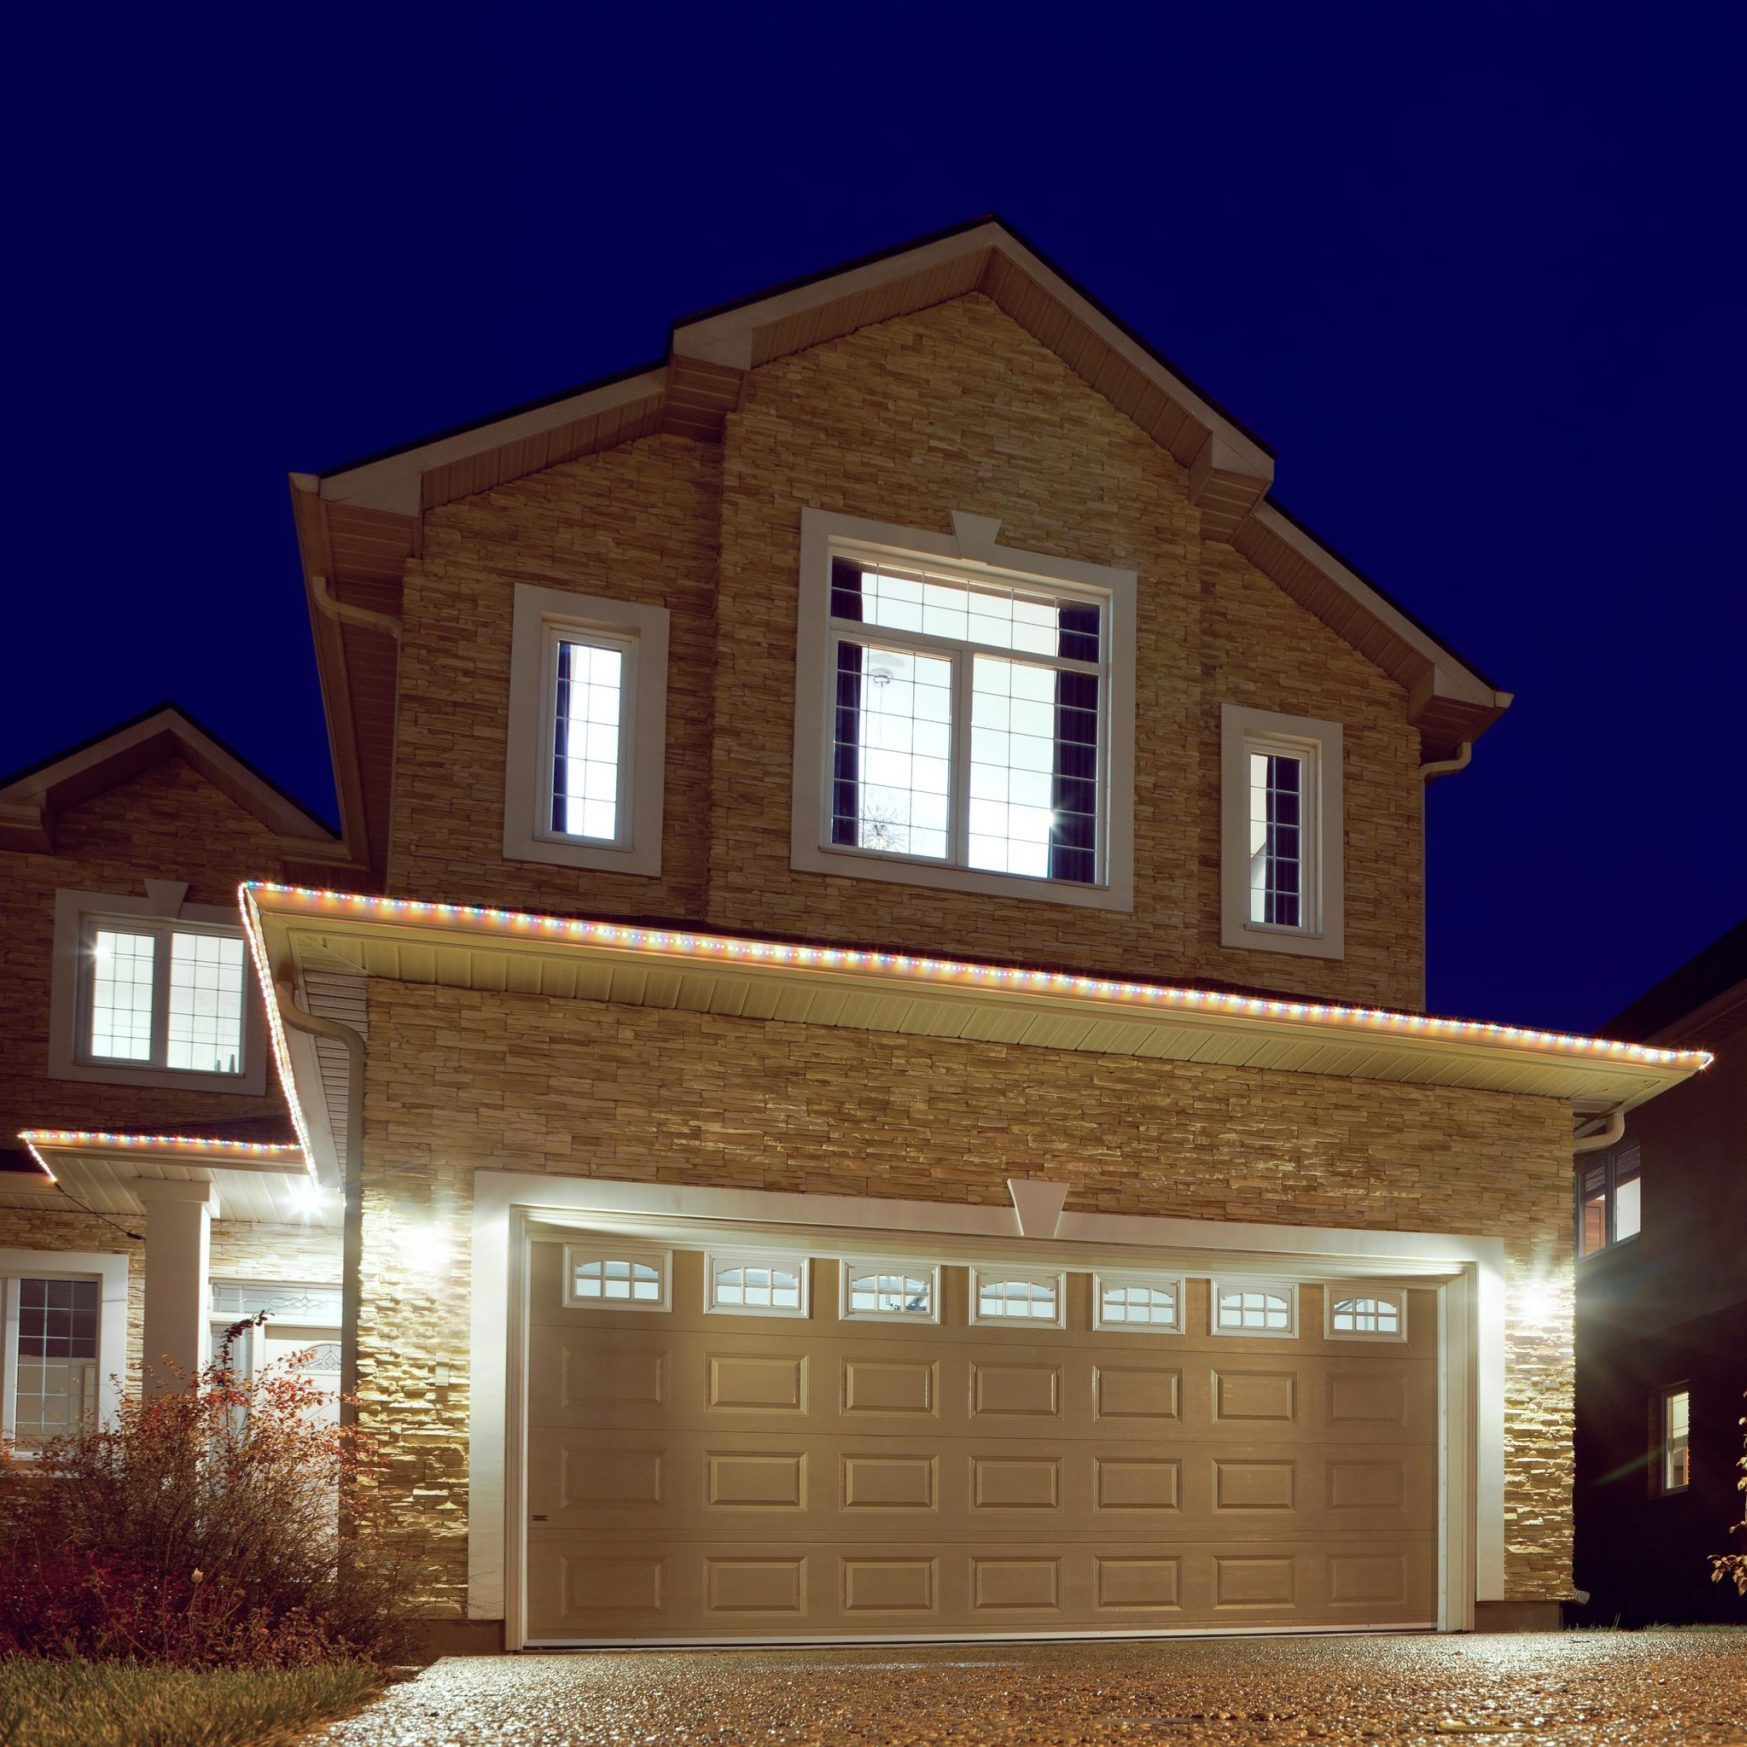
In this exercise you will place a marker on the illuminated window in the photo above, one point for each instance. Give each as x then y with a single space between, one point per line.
1254 1307
615 1279
164 996
1002 1295
757 1286
890 1292
1138 1303
1609 1200
587 726
1674 1414
1280 833
1375 1313
48 1359
976 716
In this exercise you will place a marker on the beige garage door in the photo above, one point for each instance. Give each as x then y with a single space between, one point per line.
733 1474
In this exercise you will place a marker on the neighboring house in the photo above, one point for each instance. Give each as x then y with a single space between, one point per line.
134 1054
1662 1316
870 1038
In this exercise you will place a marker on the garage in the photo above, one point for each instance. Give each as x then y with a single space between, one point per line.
746 1438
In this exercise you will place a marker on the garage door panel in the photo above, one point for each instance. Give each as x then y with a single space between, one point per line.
711 1476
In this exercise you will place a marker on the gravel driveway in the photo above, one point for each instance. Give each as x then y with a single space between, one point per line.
1573 1688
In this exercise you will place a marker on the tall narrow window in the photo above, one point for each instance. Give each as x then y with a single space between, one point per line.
1610 1208
1676 1439
52 1363
978 721
589 768
1277 847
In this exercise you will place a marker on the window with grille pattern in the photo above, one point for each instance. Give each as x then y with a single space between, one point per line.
1253 1307
999 1295
49 1364
1374 1313
615 1279
161 995
1138 1303
757 1286
890 1292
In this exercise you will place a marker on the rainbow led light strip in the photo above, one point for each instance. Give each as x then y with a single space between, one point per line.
165 1144
720 948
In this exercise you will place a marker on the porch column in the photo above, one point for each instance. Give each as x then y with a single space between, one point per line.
177 1294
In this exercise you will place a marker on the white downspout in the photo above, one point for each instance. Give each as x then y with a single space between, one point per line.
1448 766
343 612
352 1197
1614 1129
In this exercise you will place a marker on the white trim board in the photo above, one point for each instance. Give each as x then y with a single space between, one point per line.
1471 1312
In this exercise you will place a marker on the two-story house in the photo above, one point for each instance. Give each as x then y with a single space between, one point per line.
1661 1222
872 1055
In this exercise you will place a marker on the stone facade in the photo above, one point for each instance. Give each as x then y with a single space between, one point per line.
955 408
458 1079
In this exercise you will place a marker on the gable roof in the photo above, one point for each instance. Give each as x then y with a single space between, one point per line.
32 799
359 523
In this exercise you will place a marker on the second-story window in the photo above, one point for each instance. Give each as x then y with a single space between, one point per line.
1609 1201
587 732
976 729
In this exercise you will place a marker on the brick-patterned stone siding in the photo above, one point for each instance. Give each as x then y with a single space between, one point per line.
954 408
168 823
458 1080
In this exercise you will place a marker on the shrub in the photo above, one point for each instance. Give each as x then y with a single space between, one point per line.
1733 1566
217 1524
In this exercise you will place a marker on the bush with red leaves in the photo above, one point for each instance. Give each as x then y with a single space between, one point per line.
220 1524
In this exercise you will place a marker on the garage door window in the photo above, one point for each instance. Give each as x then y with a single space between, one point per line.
757 1286
890 1292
1254 1307
1375 1314
1004 1296
615 1279
1138 1304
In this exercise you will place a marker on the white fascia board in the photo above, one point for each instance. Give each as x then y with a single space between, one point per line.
393 482
1454 678
728 338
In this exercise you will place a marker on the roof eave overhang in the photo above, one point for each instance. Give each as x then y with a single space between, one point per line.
515 952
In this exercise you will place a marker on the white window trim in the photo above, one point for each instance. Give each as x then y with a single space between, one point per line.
929 1271
68 1059
1245 1283
1395 1295
971 545
642 631
1115 1278
110 1271
659 1259
1323 934
1057 1280
795 1262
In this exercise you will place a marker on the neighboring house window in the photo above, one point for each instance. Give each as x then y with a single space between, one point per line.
1254 1307
1609 1201
603 1278
1004 1295
587 732
48 1358
153 991
1281 853
965 715
890 1292
1142 1303
756 1285
1674 1427
1373 1313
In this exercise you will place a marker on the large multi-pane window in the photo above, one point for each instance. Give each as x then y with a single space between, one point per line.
48 1358
163 995
1610 1205
968 721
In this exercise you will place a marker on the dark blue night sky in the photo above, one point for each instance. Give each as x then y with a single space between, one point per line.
1476 282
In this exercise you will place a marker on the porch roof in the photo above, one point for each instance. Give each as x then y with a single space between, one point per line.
300 933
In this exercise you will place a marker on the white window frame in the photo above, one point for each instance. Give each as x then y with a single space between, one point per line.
971 549
650 1256
110 1272
1343 1289
161 911
1056 1279
795 1262
1238 1283
1114 1278
1322 930
542 616
929 1271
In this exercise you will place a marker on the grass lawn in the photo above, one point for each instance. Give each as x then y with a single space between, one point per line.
131 1704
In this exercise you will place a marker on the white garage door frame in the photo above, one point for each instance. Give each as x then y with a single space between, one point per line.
1471 1332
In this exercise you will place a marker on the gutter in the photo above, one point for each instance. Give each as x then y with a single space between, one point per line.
352 1191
